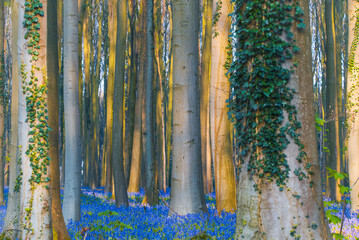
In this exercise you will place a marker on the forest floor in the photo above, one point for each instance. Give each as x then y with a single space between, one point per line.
102 220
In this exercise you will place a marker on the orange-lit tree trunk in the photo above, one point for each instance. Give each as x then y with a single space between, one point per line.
225 184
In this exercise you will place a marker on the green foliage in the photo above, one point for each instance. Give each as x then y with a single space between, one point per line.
260 101
345 191
216 16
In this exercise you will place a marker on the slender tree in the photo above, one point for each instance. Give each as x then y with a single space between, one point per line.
204 91
112 31
136 162
72 191
2 98
187 194
58 223
333 155
118 110
151 193
225 184
11 227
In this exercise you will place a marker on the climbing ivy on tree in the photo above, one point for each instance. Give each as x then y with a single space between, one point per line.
353 69
260 101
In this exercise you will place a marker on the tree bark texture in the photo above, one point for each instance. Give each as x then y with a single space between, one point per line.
187 194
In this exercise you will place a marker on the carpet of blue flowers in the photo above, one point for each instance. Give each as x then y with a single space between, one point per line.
102 220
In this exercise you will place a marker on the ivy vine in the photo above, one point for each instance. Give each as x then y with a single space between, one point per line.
260 101
35 92
216 16
353 72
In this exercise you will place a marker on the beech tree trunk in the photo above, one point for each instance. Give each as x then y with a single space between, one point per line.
187 194
58 223
118 110
72 191
136 161
298 208
225 183
331 115
204 91
11 227
2 101
35 200
151 194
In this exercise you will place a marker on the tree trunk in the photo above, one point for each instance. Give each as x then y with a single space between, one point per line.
2 100
136 161
151 194
187 194
72 192
295 206
58 223
11 227
333 156
118 110
35 200
225 184
352 102
204 90
112 30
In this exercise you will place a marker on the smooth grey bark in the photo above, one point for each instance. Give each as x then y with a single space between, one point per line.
187 194
72 191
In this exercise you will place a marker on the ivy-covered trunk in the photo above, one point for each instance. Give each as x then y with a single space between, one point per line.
34 178
352 102
279 191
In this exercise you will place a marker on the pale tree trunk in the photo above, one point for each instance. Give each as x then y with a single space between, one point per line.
112 31
151 194
118 110
296 208
72 191
58 223
187 194
352 105
225 184
333 156
35 202
204 91
136 161
11 227
2 97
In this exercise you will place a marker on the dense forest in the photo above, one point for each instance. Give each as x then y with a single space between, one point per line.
179 119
